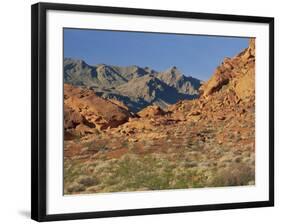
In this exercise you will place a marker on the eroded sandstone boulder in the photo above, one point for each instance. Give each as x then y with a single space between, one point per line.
84 110
151 111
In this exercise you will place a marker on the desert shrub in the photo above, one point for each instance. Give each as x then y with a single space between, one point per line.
72 170
75 187
125 144
87 181
76 138
236 174
190 164
97 132
102 148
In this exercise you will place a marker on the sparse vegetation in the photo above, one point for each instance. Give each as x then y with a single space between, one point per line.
236 174
154 172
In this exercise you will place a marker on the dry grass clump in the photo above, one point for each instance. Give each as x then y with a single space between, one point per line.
235 174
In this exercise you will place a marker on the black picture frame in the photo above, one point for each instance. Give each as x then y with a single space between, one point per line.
39 122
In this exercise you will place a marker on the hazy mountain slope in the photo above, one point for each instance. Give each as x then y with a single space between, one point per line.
152 90
173 77
77 72
136 87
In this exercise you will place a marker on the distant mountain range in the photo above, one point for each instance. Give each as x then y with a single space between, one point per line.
134 86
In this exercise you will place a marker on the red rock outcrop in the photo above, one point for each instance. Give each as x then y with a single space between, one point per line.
151 111
237 73
84 111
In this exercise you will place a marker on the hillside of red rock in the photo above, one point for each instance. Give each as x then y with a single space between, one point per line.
237 74
205 142
85 112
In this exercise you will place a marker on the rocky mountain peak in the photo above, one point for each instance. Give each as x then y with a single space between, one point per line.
134 86
173 71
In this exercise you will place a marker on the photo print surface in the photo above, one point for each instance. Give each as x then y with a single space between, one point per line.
157 111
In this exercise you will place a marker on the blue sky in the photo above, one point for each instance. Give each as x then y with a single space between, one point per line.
194 55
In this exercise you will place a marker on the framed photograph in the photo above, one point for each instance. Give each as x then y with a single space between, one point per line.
140 111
